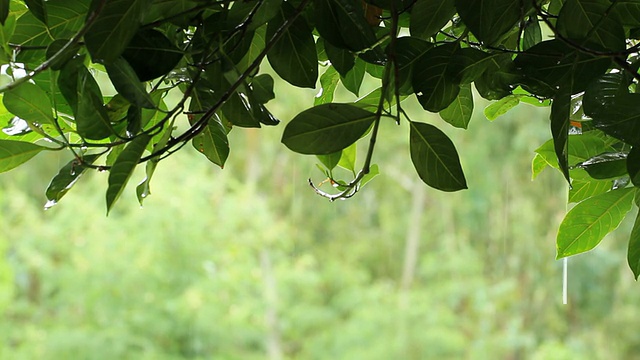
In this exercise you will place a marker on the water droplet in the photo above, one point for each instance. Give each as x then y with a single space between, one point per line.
50 204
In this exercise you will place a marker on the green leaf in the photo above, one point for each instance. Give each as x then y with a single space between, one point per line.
326 128
532 33
83 94
560 111
59 61
408 50
67 177
328 83
633 252
213 142
633 165
115 25
436 78
490 20
354 77
341 59
537 165
606 166
30 103
4 11
501 107
429 16
373 172
294 55
151 54
348 158
622 120
126 81
123 167
627 12
587 223
435 158
583 189
589 22
143 190
343 24
38 9
552 64
330 160
262 86
14 153
459 112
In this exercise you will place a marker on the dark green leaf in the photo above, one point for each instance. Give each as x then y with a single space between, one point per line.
354 77
436 78
126 81
262 86
256 47
328 83
115 25
498 79
294 55
30 103
67 177
532 33
633 165
341 59
606 166
213 142
67 54
123 167
4 11
151 54
551 64
241 10
134 120
429 16
627 12
38 9
83 94
327 128
587 223
633 252
490 20
343 24
560 110
459 112
435 158
589 22
623 119
14 153
408 50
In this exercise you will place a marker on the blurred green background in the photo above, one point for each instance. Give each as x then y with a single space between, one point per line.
248 263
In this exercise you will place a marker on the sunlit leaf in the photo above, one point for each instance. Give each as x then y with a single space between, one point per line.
501 107
328 82
348 158
327 128
584 189
330 160
435 158
633 252
587 223
123 167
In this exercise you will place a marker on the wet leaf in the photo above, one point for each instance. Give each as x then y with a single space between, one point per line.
587 223
501 107
67 177
327 128
262 86
435 158
123 168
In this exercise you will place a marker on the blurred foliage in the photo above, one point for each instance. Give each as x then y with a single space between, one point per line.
247 263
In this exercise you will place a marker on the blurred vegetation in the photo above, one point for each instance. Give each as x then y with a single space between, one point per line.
248 263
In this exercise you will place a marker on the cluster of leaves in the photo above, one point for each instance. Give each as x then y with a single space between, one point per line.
580 56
